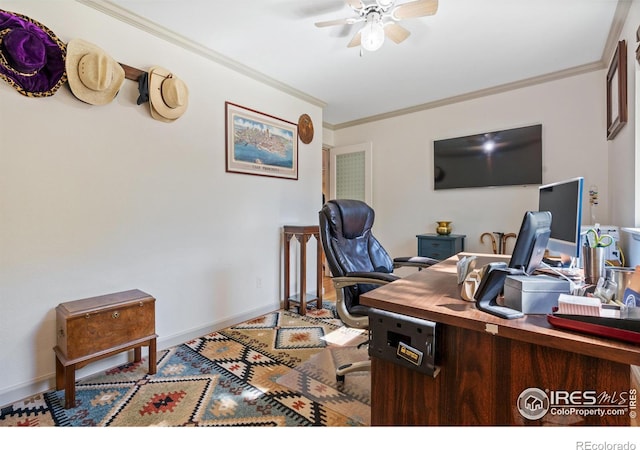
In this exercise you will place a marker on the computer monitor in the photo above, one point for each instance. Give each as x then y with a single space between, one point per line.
526 257
532 241
564 200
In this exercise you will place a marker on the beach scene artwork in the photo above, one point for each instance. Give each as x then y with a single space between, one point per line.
260 144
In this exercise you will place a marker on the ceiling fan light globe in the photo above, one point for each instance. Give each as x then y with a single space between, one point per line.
384 3
372 35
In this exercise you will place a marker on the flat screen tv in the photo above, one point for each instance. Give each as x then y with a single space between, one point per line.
499 158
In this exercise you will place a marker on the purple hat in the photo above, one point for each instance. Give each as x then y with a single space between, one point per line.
31 56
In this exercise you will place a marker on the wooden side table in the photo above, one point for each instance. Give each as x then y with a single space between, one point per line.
94 328
302 233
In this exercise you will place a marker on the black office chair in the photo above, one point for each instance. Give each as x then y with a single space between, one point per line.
358 263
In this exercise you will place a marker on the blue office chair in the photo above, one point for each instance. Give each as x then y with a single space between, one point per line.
358 263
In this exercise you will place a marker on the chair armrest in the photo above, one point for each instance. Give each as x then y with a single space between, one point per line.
352 279
368 276
421 262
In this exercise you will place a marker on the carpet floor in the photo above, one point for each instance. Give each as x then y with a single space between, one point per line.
272 371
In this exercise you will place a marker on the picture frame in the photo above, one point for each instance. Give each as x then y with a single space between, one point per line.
260 144
617 91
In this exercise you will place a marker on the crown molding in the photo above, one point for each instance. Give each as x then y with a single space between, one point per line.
619 18
126 16
167 35
598 65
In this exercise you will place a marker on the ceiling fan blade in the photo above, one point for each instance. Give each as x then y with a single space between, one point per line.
395 32
330 23
355 4
355 41
417 8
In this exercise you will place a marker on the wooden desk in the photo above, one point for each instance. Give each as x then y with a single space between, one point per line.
487 362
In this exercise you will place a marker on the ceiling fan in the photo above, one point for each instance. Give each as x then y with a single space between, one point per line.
380 19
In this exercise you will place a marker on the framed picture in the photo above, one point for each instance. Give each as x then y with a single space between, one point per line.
617 91
260 144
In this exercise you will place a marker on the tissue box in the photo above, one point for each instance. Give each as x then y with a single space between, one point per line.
536 294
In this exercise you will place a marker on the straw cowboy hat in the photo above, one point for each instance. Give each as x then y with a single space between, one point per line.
94 76
31 56
168 95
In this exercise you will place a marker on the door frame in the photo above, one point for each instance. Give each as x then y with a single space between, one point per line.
367 148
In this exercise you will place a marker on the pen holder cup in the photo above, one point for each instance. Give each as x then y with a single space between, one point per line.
594 266
621 276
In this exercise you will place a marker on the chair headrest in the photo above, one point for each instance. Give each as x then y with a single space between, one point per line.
350 218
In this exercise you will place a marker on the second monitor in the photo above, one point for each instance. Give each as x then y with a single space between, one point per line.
564 200
531 244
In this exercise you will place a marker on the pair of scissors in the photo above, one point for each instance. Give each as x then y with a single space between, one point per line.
599 240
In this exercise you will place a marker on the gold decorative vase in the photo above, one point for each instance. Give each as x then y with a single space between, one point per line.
444 227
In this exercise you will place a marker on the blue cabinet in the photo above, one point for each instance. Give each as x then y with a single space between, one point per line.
440 246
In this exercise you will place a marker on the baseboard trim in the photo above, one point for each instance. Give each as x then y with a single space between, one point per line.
47 382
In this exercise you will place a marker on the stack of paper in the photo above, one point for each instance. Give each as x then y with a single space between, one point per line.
579 306
464 266
344 335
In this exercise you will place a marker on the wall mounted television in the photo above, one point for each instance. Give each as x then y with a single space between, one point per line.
499 158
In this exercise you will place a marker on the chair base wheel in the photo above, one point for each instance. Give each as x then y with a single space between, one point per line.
342 370
351 367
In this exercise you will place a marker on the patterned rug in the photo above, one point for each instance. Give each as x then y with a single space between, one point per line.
316 379
238 376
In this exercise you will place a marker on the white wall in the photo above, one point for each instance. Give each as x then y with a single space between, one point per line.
624 173
100 199
572 114
621 168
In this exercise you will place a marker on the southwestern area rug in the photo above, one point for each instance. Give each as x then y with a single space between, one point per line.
316 380
271 371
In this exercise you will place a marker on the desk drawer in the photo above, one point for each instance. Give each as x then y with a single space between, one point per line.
437 249
414 347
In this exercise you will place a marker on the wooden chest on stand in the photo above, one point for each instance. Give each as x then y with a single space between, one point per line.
98 327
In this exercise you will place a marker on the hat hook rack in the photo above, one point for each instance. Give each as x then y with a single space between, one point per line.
131 73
